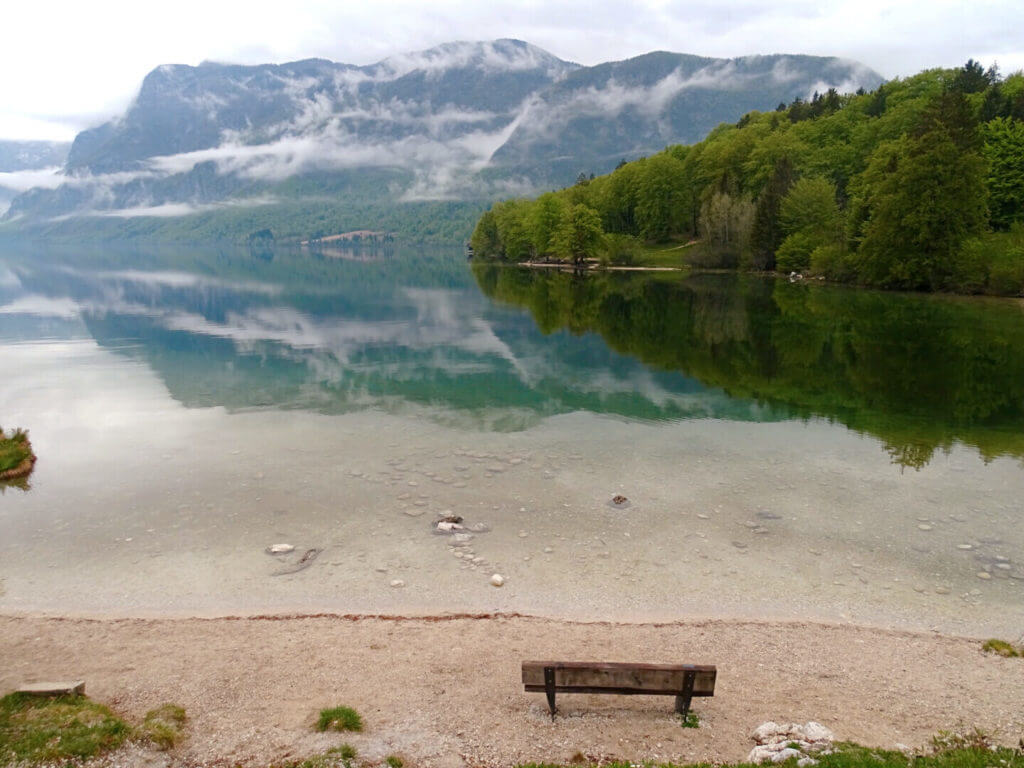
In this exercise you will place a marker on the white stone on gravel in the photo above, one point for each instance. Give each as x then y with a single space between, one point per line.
280 549
497 580
397 583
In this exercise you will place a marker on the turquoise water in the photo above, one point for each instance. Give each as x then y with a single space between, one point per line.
237 399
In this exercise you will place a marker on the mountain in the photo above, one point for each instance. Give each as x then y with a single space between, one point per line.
23 163
466 121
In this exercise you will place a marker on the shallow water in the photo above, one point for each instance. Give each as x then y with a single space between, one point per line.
787 451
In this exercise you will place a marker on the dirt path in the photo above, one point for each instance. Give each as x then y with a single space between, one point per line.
447 692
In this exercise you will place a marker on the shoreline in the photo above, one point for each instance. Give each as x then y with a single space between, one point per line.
445 690
445 617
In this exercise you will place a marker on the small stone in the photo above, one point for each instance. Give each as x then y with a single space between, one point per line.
803 762
280 549
497 580
942 590
924 527
965 546
397 583
548 550
619 499
984 575
523 534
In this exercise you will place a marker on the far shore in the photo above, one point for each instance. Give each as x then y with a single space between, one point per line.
445 691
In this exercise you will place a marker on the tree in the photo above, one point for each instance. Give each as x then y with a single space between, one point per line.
485 241
766 235
926 197
580 236
1004 153
510 218
657 196
543 221
810 206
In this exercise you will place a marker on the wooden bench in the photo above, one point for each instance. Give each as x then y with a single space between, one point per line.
684 681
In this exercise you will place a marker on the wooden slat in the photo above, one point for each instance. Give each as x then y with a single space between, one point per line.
614 677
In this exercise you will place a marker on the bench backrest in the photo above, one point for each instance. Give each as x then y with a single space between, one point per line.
613 677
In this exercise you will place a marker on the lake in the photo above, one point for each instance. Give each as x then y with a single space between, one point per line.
795 451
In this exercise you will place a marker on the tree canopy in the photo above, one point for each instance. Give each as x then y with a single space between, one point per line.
918 184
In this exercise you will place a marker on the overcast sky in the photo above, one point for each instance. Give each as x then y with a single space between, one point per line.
68 65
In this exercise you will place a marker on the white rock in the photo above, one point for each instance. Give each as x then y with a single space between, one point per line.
281 549
444 525
783 755
803 762
397 583
759 754
767 732
817 732
497 580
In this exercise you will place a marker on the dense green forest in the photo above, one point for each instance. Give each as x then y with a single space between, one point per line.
916 185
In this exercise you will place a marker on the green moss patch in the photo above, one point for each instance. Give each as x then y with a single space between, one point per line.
164 726
37 730
1001 648
339 719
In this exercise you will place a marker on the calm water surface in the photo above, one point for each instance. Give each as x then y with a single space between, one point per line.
788 450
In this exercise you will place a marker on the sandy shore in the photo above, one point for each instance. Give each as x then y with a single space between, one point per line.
446 692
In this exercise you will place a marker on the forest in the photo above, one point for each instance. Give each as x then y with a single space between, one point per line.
917 185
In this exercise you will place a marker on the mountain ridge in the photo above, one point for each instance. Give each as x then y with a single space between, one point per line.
470 121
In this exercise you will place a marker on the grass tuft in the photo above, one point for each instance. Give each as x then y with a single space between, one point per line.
36 730
164 726
1001 648
339 719
394 761
692 720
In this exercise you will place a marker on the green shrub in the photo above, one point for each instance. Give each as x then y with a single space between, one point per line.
620 250
36 729
14 449
339 719
794 255
394 761
833 263
1001 648
163 726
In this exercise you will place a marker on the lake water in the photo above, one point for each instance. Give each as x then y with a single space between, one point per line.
787 450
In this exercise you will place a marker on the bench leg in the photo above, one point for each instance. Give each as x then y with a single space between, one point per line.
549 688
686 695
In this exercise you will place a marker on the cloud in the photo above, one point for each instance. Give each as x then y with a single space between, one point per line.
39 178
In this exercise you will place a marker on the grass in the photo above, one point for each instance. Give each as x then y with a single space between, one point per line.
36 730
853 756
336 757
339 719
394 761
163 726
692 720
661 255
1001 648
14 449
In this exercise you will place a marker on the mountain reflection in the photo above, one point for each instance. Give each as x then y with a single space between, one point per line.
411 330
